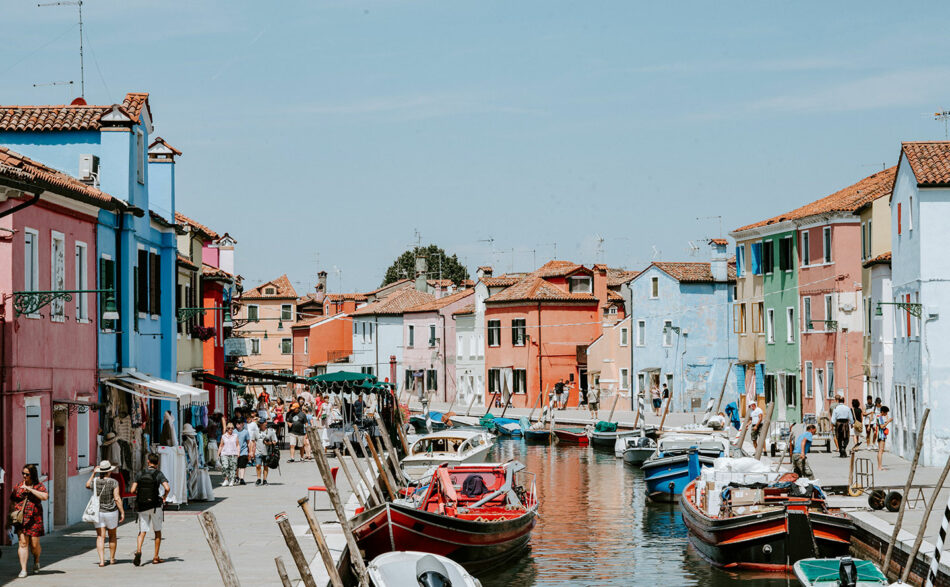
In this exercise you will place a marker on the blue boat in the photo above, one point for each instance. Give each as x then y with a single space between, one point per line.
507 427
678 460
539 435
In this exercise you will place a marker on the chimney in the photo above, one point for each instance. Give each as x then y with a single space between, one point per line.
322 281
161 178
483 271
720 259
421 284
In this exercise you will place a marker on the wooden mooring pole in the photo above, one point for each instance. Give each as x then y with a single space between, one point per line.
282 572
321 541
389 445
766 420
349 479
381 468
375 493
209 525
923 524
303 567
907 484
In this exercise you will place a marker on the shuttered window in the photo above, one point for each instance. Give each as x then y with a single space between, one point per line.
106 281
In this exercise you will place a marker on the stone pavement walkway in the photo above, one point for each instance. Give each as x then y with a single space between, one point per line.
244 513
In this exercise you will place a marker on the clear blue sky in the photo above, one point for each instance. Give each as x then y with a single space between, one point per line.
337 128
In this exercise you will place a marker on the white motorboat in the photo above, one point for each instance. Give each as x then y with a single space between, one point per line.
637 449
412 569
448 446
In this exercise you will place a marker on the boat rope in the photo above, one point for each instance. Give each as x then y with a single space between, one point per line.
941 538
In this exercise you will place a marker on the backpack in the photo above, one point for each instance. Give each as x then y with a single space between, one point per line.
273 458
146 493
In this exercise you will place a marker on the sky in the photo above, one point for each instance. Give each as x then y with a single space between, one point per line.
335 134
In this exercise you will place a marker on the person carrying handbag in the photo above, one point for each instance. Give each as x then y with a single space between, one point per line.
858 425
104 510
26 517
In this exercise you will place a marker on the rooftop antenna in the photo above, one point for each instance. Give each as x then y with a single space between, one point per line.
944 116
656 253
693 249
69 83
599 256
719 218
82 63
554 244
339 277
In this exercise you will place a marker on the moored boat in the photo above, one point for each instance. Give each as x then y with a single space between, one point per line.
426 422
572 435
636 449
476 515
677 461
449 446
767 529
838 572
412 569
507 427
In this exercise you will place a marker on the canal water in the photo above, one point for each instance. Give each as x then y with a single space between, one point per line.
597 527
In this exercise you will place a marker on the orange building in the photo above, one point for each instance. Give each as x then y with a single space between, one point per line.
538 327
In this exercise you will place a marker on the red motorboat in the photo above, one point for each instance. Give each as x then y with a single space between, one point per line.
572 436
764 528
476 514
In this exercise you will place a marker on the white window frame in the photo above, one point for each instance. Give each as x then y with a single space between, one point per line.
806 253
910 214
290 343
830 378
31 282
641 333
624 378
826 255
82 438
433 339
820 380
577 284
289 308
82 282
255 342
654 288
54 314
624 336
489 327
790 325
521 339
459 346
667 332
371 332
770 325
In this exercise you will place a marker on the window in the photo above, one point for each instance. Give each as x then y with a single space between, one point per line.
864 241
154 284
641 382
768 254
141 282
520 381
106 281
411 335
667 333
830 366
641 332
459 346
785 254
789 325
410 380
806 312
768 386
255 346
473 345
286 312
654 287
518 331
431 335
370 328
829 310
367 370
270 291
253 314
809 383
806 253
494 381
624 378
34 440
494 332
624 337
82 437
306 345
57 274
82 282
756 258
432 380
791 390
910 213
140 156
740 260
758 318
898 218
870 239
770 325
31 260
738 318
286 346
581 285
826 243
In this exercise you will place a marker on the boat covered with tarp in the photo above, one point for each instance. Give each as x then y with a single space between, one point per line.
838 572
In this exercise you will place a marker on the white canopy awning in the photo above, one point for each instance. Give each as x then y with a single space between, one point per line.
160 388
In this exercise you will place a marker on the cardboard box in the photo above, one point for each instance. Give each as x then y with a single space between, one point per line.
741 496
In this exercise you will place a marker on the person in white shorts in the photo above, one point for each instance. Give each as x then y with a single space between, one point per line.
149 503
111 512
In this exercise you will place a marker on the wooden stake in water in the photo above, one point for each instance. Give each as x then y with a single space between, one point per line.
209 525
375 493
923 525
907 484
725 380
383 473
389 445
349 479
282 572
610 418
766 421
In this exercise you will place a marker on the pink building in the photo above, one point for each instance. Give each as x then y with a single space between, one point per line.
48 376
429 344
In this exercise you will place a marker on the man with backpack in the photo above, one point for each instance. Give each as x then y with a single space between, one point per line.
265 441
149 504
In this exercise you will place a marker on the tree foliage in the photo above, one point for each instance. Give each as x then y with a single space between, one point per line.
404 267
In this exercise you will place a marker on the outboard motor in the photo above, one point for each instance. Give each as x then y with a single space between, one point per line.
431 573
847 572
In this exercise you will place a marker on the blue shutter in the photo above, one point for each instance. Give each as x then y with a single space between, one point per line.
739 260
760 379
757 258
740 380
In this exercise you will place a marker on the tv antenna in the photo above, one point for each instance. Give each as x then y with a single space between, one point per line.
554 244
719 218
693 249
944 116
82 63
599 256
69 83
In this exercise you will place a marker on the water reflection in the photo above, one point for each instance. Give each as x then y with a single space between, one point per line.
596 527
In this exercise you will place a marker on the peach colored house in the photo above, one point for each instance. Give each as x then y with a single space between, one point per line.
270 311
429 345
538 327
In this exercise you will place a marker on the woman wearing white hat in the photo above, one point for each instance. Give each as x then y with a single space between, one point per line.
111 512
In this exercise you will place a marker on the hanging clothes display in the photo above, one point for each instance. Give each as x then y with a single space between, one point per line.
173 465
199 481
169 436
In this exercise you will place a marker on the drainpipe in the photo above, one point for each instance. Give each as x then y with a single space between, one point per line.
540 376
445 373
22 205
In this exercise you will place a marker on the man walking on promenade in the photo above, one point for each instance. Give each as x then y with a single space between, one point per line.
800 456
297 422
757 415
244 439
149 505
593 401
843 419
266 439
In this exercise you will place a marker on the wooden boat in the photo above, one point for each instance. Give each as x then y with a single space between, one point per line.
537 432
419 422
507 427
670 468
572 435
766 529
449 446
476 515
838 572
637 449
411 569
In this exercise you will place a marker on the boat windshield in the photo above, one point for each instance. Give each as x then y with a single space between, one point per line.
684 444
441 444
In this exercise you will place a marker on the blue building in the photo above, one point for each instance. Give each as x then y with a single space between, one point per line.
106 146
682 333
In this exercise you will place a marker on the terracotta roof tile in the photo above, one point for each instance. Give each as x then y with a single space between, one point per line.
283 290
66 117
23 169
134 102
718 241
848 199
618 277
882 259
387 286
395 303
692 272
442 302
614 296
501 281
536 288
557 269
469 309
211 272
182 219
930 162
186 262
312 297
161 141
339 297
440 282
467 283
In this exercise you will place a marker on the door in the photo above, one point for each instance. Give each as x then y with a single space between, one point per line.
60 466
582 383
